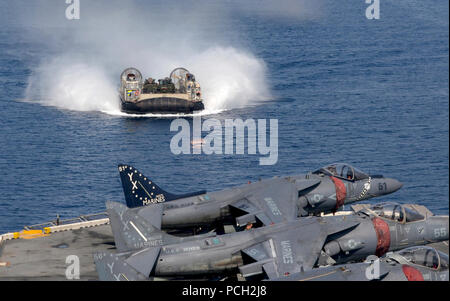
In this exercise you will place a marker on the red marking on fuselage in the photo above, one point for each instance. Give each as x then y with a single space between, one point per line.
383 236
341 192
411 273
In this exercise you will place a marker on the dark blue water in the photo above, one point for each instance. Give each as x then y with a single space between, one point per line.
373 93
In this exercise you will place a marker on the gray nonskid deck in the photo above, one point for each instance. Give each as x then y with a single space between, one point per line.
44 258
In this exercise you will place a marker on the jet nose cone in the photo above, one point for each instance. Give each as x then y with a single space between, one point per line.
382 186
393 185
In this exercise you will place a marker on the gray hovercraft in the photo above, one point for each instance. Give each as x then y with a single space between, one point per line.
178 93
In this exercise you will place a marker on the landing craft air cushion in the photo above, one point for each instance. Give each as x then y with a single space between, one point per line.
261 203
268 252
178 93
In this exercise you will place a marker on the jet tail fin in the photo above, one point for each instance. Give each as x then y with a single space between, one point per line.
132 231
139 190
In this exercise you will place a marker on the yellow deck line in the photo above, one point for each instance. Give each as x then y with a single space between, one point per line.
26 234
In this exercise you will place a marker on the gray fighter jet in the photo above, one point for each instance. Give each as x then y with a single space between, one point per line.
267 252
419 263
260 203
386 227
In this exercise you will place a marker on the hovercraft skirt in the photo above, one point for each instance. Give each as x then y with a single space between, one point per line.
163 105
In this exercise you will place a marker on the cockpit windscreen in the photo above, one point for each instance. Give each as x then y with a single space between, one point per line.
396 212
424 256
343 171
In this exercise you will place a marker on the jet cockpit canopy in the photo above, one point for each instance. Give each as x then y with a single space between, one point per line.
422 255
343 171
396 212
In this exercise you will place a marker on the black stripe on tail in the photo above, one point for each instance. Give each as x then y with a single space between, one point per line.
139 190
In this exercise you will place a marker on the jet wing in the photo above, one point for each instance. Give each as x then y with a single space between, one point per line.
293 249
286 252
273 204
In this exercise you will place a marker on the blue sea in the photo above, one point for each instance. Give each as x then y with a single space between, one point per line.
372 93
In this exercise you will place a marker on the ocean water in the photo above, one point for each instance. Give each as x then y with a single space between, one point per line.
372 93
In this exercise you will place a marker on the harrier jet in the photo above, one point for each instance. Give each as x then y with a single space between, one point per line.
420 263
268 252
386 227
260 203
